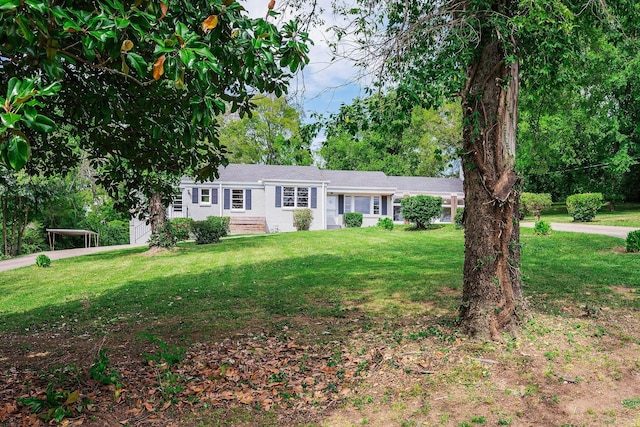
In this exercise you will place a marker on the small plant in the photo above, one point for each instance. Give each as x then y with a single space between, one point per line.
211 230
633 241
43 261
631 403
57 405
101 370
583 207
302 219
421 210
542 228
182 228
458 218
167 354
353 219
386 223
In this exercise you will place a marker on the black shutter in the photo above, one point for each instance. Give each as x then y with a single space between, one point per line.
194 196
247 203
214 196
341 204
314 197
278 196
227 198
384 205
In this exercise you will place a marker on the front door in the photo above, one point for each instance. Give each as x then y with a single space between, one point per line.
332 212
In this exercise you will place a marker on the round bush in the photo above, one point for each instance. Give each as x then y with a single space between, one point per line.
421 210
182 228
353 219
633 241
210 230
583 207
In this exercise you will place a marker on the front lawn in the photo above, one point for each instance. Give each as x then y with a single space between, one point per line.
339 327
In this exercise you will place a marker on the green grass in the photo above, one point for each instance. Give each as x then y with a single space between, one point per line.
625 215
242 282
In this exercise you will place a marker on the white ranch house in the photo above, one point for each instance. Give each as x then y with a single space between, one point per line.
262 198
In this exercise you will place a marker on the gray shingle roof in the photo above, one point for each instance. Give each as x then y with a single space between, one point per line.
425 184
338 178
255 173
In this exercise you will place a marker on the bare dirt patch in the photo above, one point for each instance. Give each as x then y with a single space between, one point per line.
352 370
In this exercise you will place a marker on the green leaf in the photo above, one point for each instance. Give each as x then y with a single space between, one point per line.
10 119
25 30
39 5
188 57
122 23
137 62
6 5
41 123
70 25
17 152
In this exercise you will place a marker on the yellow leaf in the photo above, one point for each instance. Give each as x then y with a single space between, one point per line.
158 67
73 398
127 45
125 67
210 23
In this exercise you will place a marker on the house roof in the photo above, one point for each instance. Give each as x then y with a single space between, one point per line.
255 173
425 184
355 178
251 173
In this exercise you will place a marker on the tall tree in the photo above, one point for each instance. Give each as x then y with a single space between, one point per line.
141 84
271 135
475 49
376 133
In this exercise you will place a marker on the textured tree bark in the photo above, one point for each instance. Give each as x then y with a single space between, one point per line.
492 301
157 213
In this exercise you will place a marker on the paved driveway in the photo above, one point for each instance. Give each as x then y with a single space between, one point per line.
607 230
25 260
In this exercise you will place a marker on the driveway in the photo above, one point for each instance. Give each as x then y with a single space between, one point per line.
607 230
25 260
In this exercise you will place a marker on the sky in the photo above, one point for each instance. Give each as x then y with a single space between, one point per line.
324 84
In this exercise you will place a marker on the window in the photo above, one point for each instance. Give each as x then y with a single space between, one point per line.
177 202
237 199
362 205
295 197
347 204
205 196
376 205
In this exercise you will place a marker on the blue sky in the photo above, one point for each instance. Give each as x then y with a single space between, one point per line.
324 84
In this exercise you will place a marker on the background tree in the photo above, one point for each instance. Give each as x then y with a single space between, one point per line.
142 84
376 133
479 51
582 135
271 135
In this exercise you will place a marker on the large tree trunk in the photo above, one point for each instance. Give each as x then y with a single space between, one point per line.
157 213
492 295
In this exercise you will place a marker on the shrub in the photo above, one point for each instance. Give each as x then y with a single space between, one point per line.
534 203
302 219
421 210
34 239
116 232
43 261
353 219
542 228
583 207
633 241
458 218
386 223
163 237
182 228
210 230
